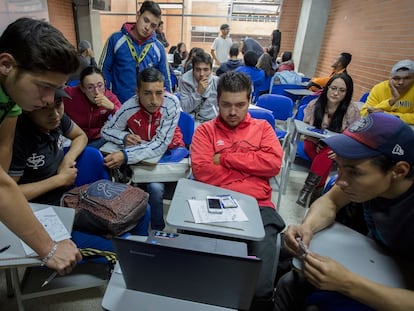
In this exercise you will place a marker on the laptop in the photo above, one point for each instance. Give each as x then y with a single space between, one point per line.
199 243
212 278
361 255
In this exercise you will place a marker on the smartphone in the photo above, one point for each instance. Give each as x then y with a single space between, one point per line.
227 201
214 205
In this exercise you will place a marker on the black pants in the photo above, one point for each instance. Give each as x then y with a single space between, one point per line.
266 251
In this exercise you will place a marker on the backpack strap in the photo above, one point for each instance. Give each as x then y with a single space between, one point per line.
144 52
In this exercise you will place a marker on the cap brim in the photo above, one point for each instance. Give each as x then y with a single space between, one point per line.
59 93
348 148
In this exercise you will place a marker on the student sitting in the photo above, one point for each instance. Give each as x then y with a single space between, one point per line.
375 158
286 62
146 126
42 169
396 95
257 75
198 89
91 104
232 63
338 66
332 110
237 152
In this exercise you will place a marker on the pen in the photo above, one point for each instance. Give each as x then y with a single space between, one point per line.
3 249
49 279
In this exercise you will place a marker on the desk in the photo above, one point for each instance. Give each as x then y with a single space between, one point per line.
15 256
180 217
362 256
299 92
303 128
117 297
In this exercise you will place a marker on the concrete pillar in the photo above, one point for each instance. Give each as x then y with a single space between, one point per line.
309 36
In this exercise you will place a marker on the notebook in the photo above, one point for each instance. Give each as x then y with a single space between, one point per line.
361 255
207 277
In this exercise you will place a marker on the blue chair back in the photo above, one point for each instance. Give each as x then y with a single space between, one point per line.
186 125
306 99
300 113
330 183
281 106
263 114
364 97
280 90
90 165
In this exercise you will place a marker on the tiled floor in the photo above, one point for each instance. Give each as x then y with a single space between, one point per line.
90 299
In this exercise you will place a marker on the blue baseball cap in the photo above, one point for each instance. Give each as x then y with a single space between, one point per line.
377 134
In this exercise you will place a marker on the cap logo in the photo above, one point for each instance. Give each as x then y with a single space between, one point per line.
398 150
360 125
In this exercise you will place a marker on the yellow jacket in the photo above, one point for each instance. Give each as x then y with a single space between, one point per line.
379 98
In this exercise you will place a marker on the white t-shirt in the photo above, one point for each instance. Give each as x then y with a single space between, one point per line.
222 47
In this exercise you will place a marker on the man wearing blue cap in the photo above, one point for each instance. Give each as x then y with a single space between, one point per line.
396 95
375 158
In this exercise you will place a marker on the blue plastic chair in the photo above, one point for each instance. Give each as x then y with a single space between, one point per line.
281 106
300 113
263 114
307 99
364 97
90 165
186 125
330 183
280 90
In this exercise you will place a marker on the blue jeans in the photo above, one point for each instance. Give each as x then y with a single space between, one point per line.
88 240
156 196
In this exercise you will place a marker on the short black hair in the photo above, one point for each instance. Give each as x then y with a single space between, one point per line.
286 55
345 59
232 81
250 58
202 57
151 7
38 47
385 164
150 74
234 49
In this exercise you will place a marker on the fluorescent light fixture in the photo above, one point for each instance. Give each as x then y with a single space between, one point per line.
171 6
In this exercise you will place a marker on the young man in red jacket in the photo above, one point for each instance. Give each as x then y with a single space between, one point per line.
237 152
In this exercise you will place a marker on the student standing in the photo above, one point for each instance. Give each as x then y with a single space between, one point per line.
35 60
133 49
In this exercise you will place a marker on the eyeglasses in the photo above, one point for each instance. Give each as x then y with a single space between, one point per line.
335 88
92 87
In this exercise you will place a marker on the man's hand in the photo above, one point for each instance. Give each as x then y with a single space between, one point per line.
102 101
216 159
202 85
373 110
114 160
324 272
65 257
67 175
395 95
132 140
291 234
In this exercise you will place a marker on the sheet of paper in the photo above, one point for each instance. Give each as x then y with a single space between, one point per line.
201 214
53 225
